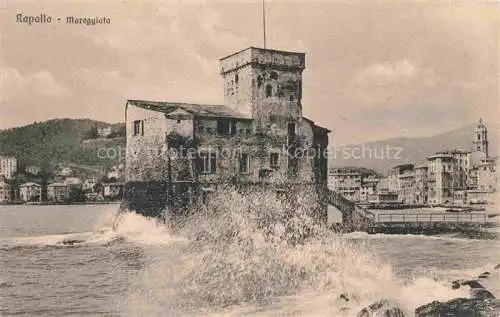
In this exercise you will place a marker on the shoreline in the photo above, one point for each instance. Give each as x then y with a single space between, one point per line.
58 204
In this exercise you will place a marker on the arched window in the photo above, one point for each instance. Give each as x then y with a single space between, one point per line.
269 91
236 78
274 75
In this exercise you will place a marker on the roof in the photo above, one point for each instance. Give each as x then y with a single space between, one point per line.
440 155
421 166
201 110
72 180
261 49
316 126
29 184
58 185
403 165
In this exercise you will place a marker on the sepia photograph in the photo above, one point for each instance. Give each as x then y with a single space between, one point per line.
249 158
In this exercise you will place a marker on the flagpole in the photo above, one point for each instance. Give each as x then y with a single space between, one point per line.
264 20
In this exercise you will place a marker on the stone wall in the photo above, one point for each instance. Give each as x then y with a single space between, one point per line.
261 84
146 158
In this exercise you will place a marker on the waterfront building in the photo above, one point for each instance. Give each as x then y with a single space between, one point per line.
5 192
406 190
393 180
89 183
384 197
463 165
448 171
441 170
30 192
259 137
383 184
73 182
8 166
32 169
485 182
346 181
421 185
460 197
113 190
401 181
487 176
368 187
114 173
58 192
104 131
65 171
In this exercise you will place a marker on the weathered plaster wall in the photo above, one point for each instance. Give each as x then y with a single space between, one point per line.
146 158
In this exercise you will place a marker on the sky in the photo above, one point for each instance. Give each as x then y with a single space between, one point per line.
374 69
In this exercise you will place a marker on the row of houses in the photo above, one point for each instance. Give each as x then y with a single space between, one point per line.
59 192
447 177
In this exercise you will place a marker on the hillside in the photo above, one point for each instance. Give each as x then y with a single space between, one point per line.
413 150
65 141
57 141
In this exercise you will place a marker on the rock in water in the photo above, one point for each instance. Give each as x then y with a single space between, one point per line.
460 307
382 308
72 241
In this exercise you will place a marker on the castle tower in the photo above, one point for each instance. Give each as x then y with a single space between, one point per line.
264 84
480 138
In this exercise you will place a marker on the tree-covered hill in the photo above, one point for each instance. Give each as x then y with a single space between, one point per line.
59 141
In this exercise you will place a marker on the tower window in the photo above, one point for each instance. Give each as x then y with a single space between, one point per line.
269 91
236 79
244 163
259 81
274 161
274 75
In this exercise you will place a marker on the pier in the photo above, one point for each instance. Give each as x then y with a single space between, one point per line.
358 218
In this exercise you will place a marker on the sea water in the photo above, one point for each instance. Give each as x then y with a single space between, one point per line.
68 261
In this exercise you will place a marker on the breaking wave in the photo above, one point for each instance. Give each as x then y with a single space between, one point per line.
113 226
255 255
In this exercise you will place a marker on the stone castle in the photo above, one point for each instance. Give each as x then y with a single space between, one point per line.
177 153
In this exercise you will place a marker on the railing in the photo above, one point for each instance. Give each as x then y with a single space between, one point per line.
476 218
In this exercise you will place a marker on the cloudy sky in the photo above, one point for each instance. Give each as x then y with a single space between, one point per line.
373 69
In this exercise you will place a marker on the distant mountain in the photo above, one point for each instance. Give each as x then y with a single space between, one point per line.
383 155
57 141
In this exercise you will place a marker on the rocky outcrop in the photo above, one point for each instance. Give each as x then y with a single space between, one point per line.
382 308
460 307
482 303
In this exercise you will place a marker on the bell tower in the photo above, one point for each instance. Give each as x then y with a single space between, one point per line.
480 138
264 84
